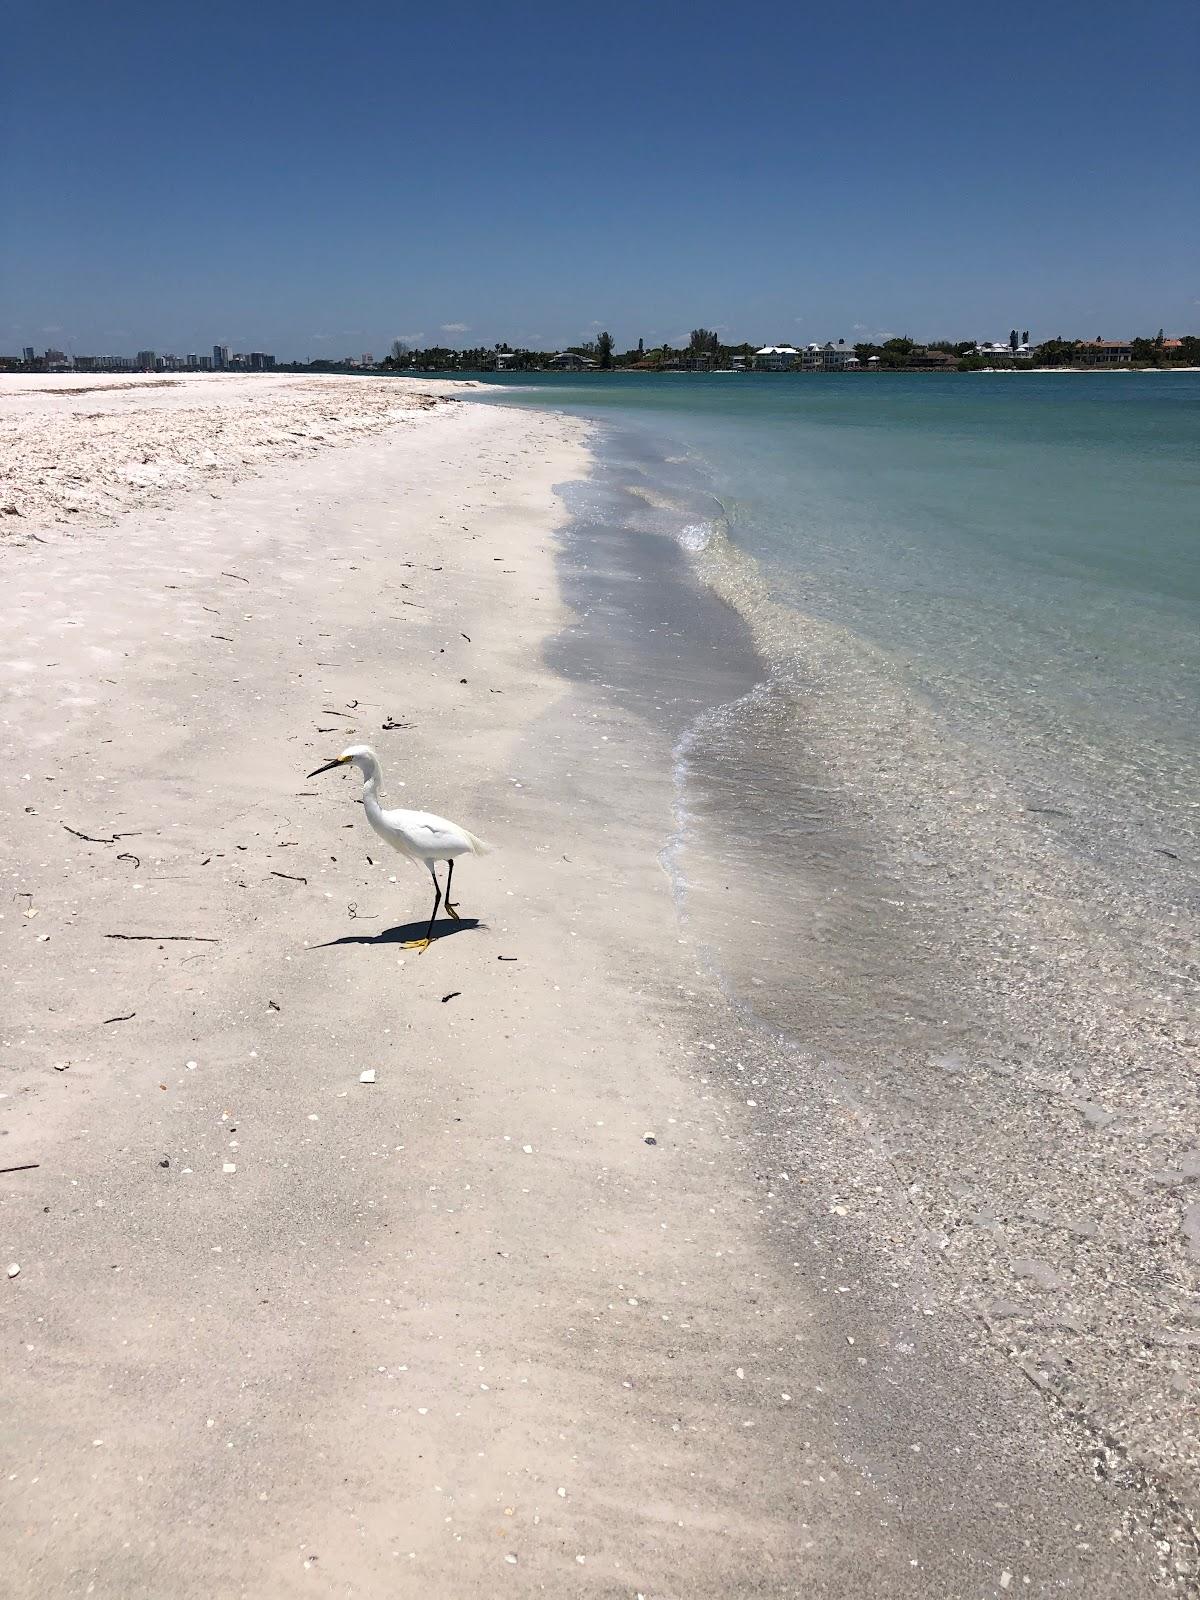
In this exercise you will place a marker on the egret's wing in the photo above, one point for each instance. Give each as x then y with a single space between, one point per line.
428 834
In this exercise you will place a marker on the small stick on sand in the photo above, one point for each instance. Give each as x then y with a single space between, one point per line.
92 839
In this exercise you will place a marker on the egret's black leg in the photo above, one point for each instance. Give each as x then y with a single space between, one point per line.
451 910
423 944
437 900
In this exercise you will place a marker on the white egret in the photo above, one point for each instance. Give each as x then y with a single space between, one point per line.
418 835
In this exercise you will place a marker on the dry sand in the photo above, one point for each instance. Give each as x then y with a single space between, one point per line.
93 448
524 1315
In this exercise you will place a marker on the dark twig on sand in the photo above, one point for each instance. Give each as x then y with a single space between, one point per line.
128 1017
166 938
91 838
28 1166
291 876
236 575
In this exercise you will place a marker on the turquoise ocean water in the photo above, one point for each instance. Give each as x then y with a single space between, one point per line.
939 855
988 580
948 846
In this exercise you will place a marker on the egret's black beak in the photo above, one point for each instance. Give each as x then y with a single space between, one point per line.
328 767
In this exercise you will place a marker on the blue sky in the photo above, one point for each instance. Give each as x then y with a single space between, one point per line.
318 179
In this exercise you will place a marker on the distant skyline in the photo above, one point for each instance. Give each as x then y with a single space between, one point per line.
318 181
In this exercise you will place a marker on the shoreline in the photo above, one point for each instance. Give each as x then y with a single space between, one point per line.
830 1168
545 1307
946 1110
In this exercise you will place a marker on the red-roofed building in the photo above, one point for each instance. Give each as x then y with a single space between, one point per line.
1104 352
1117 352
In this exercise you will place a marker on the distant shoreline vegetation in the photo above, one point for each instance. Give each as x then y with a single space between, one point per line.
705 352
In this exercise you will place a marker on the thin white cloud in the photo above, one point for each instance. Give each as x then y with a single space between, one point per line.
455 327
52 327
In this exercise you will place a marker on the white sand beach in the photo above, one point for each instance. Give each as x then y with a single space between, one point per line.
520 1315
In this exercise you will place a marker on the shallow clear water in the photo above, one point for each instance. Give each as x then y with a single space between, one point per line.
1008 562
978 600
942 852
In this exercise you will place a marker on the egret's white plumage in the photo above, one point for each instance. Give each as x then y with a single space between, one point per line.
419 835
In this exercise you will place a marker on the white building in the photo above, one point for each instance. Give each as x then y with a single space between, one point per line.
776 358
1004 350
828 358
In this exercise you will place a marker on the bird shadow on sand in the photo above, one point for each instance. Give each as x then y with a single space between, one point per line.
404 933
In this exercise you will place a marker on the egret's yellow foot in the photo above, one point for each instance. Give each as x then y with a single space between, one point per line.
416 944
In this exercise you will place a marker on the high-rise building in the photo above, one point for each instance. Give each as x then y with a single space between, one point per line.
193 362
145 360
206 363
28 356
220 356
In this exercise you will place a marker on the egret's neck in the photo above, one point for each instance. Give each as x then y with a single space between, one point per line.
372 779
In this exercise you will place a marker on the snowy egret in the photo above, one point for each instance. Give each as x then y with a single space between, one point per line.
418 835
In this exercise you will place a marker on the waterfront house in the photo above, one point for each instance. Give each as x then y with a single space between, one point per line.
932 360
1002 350
776 358
1115 352
829 357
1104 353
568 361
